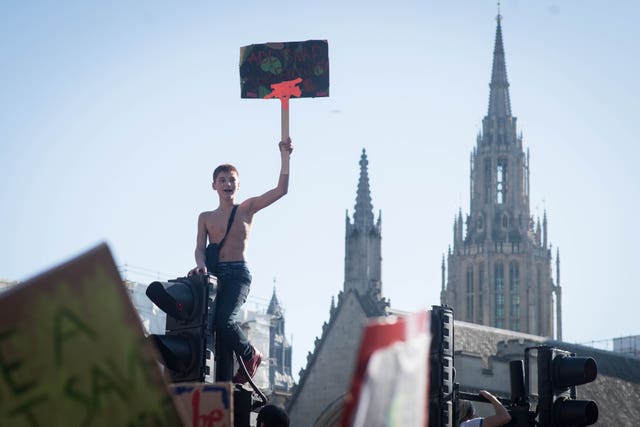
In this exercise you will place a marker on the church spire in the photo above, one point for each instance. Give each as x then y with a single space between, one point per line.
499 222
363 213
274 305
499 102
363 257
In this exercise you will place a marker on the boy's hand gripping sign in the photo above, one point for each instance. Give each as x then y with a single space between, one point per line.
283 71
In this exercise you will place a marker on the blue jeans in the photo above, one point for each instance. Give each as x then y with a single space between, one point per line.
234 283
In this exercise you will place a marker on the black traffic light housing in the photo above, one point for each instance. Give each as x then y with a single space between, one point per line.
559 372
441 372
183 348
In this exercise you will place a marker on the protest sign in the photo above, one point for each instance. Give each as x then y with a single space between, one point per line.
205 405
390 382
283 71
73 352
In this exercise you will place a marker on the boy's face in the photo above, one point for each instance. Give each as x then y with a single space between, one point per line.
226 184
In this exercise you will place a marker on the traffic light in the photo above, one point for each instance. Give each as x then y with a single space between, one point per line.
559 372
441 372
183 347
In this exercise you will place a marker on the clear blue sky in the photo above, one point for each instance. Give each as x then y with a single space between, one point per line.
113 115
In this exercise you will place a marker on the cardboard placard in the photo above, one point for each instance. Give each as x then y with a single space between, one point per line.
205 405
390 383
264 65
73 352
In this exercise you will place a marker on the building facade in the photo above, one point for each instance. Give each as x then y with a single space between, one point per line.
498 271
280 378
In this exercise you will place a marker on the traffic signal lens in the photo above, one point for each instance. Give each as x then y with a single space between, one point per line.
575 412
175 350
569 371
174 298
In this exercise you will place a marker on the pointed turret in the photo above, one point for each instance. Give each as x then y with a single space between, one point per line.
363 210
443 271
274 305
455 230
544 229
363 260
499 102
558 290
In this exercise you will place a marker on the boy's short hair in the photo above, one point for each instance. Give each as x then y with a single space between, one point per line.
226 168
273 416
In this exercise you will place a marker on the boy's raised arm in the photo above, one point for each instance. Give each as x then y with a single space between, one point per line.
260 202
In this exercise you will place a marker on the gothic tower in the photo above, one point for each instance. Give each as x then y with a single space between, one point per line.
363 260
279 349
499 271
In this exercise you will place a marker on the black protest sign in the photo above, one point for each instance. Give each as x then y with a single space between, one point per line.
282 70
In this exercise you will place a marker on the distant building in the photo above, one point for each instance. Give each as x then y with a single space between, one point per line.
280 377
627 345
499 269
482 355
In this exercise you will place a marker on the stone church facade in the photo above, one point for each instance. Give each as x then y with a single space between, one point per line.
499 270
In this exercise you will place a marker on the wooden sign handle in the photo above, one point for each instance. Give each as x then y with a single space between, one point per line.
284 91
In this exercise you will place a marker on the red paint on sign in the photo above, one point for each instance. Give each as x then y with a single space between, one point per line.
206 420
285 90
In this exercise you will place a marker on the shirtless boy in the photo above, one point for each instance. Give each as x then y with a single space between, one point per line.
234 278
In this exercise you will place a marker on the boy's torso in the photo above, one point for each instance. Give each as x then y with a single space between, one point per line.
234 248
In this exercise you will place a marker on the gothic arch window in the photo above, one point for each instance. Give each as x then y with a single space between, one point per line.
514 292
498 277
501 181
487 180
505 221
480 222
470 293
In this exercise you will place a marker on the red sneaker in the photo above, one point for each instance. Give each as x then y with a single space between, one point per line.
251 365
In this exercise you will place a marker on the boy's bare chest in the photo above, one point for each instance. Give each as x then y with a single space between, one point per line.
216 225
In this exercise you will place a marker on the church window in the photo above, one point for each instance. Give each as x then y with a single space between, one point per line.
487 180
480 222
514 291
501 181
505 221
499 295
470 293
